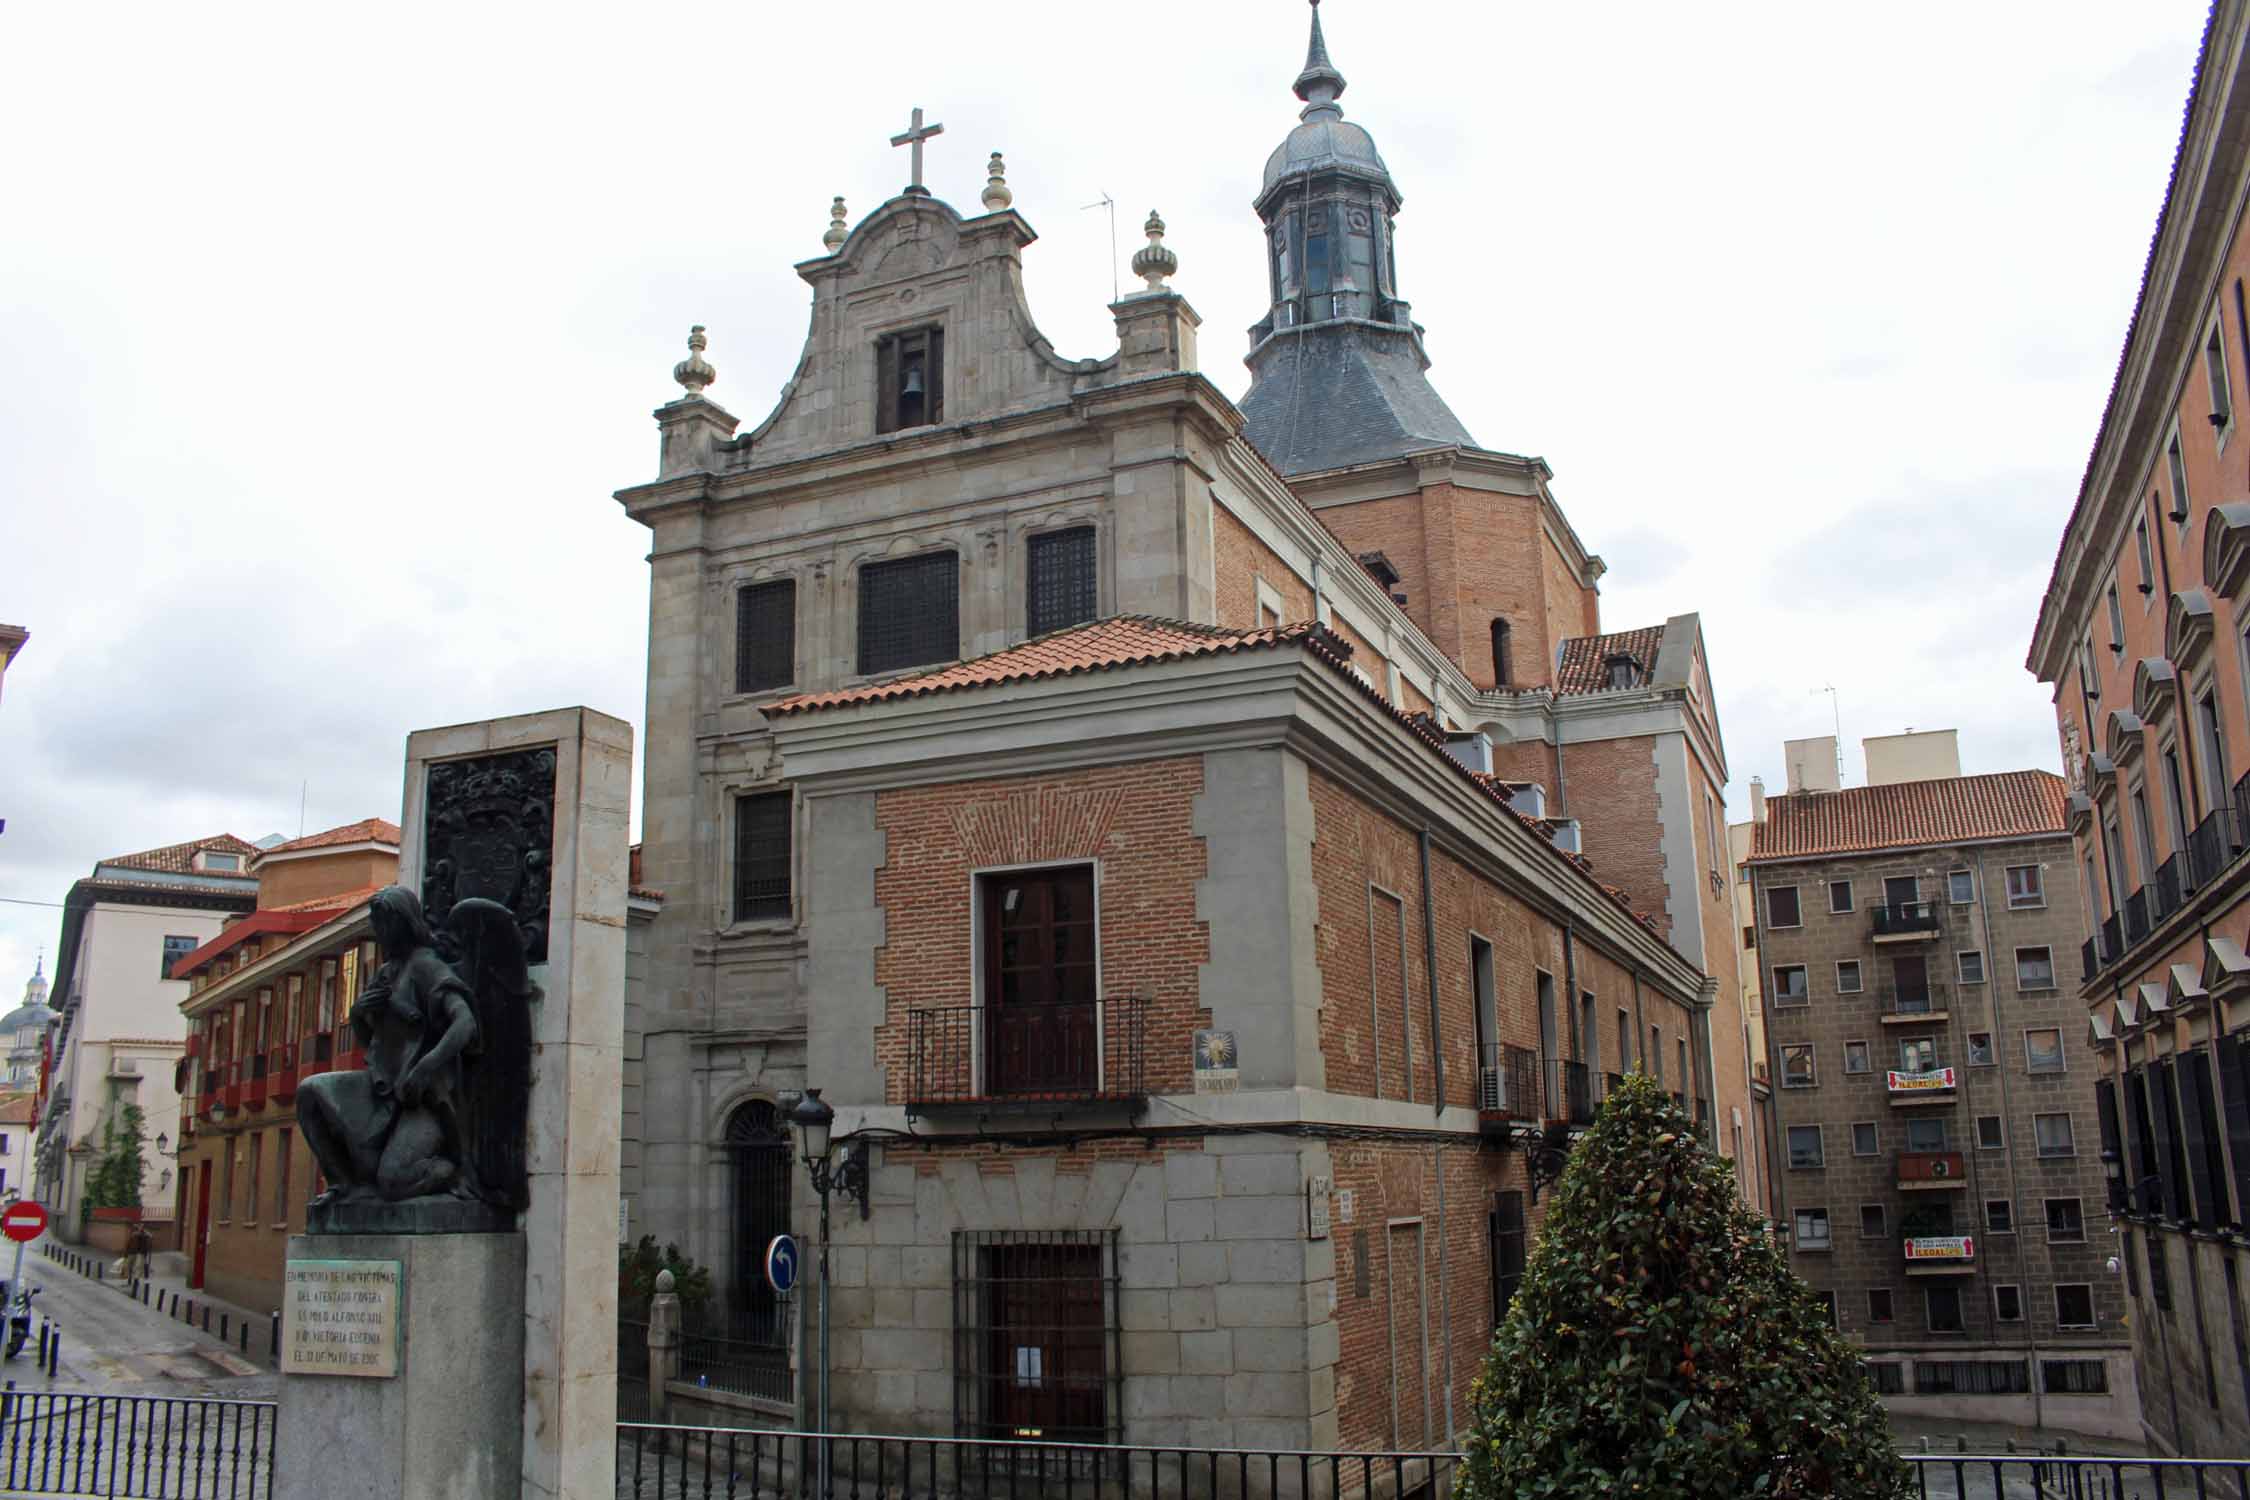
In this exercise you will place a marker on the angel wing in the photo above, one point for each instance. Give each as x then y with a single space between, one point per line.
496 1072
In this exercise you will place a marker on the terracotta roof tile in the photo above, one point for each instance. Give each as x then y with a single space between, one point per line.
326 903
365 831
1585 659
178 859
1126 640
2005 804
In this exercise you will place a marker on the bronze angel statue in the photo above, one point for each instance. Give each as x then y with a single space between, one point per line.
429 1136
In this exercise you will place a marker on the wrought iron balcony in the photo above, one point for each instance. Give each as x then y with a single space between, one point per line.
1507 1084
1027 1057
2136 916
2089 960
2164 893
1927 1003
2113 938
1905 920
1570 1094
281 1072
1924 1171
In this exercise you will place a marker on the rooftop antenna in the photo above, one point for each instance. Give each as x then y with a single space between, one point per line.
1837 716
1106 201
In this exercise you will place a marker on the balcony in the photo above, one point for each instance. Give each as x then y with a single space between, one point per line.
1906 922
1932 1171
1507 1086
2089 960
1926 1086
2136 916
1939 1255
229 1097
281 1072
126 1068
1570 1093
2164 891
1611 1083
1925 1005
2113 938
1027 1059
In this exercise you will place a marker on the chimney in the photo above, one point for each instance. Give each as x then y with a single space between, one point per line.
1917 755
1757 799
1812 764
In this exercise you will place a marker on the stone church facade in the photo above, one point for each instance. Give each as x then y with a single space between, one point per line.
1208 853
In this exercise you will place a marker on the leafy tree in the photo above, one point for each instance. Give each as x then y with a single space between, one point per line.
1660 1346
116 1179
636 1277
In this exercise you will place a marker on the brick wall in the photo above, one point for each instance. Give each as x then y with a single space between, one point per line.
1393 527
1135 820
244 1262
1616 781
1238 562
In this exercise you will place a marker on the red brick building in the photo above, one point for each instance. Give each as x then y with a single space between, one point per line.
2142 635
269 1004
1210 854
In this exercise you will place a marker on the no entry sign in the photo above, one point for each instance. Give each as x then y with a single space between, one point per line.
24 1221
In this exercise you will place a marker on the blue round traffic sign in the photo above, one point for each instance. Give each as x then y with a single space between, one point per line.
781 1263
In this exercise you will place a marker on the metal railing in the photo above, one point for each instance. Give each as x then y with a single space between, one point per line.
2089 960
667 1462
2136 916
1906 919
150 1447
1925 1169
989 1054
1508 1081
1929 1000
739 1367
2113 938
1570 1093
2166 889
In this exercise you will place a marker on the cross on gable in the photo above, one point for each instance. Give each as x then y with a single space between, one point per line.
914 135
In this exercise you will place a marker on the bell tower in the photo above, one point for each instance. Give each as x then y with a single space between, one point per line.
1337 362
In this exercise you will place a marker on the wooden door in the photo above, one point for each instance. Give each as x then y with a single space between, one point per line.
1040 1030
202 1223
1910 975
1044 1364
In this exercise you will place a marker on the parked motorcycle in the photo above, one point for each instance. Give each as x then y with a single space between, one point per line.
19 1318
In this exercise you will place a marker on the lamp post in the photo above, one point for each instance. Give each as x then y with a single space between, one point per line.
815 1120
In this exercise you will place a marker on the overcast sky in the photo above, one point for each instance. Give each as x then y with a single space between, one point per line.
326 333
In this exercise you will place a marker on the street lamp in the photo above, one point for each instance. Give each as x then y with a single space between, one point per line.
815 1120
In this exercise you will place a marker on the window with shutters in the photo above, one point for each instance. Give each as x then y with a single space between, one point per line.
765 636
2105 1110
2234 1108
2206 1158
1061 591
909 379
2179 1203
761 857
909 612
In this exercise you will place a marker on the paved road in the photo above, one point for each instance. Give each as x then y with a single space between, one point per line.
112 1345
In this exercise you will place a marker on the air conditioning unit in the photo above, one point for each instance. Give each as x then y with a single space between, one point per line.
1473 750
1530 800
1566 836
1491 1094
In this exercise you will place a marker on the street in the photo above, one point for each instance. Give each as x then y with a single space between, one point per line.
115 1346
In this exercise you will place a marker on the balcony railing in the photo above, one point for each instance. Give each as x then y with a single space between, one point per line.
254 1092
1920 1171
1906 919
2113 938
2089 960
2136 916
2165 890
1570 1095
1028 1055
1929 1000
1507 1083
1611 1083
281 1072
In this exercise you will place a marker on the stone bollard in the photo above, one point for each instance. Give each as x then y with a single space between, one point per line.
663 1347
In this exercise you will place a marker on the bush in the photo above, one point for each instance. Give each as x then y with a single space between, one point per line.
636 1277
1660 1346
116 1179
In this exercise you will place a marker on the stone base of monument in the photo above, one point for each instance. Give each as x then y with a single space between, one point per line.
402 1368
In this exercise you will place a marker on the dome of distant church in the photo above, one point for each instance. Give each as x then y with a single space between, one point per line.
33 1011
1325 145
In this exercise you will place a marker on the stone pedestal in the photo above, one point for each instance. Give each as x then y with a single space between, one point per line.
450 1422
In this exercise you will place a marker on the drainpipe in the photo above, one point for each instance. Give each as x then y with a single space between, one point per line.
1562 787
1429 964
1570 980
2008 1138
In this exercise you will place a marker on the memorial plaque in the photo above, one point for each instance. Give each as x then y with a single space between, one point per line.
341 1317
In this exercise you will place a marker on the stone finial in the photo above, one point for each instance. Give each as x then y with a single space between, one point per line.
997 194
836 234
1153 262
664 1282
695 372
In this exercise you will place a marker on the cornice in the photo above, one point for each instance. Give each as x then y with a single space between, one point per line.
292 955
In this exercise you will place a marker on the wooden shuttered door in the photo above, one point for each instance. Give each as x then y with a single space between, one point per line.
2234 1102
2200 1124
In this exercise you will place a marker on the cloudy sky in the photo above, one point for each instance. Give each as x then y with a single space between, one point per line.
326 333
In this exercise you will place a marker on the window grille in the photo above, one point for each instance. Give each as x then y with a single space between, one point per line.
765 636
761 857
909 612
1061 588
1037 1345
1971 1377
1889 1377
2074 1377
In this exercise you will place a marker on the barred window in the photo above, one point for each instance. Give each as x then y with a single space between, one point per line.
1888 1375
1036 1342
761 856
765 636
2074 1377
1061 590
1971 1377
909 612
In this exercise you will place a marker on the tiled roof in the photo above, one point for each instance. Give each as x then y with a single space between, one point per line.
365 831
1584 667
179 859
331 902
1124 641
633 885
1909 814
1137 640
15 1109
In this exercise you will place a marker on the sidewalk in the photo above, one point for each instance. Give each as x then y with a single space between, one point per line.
252 1335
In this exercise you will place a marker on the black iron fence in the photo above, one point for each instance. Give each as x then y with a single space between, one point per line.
1034 1054
1916 1000
1570 1093
2136 916
660 1463
1906 919
1508 1081
147 1447
738 1366
632 1371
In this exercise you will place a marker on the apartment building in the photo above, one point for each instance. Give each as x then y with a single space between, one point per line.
1936 1154
2144 634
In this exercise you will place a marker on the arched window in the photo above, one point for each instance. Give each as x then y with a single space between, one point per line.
757 1147
1501 676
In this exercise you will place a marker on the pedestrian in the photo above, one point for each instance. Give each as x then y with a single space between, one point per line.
140 1247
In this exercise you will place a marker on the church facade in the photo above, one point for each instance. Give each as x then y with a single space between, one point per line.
1209 854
